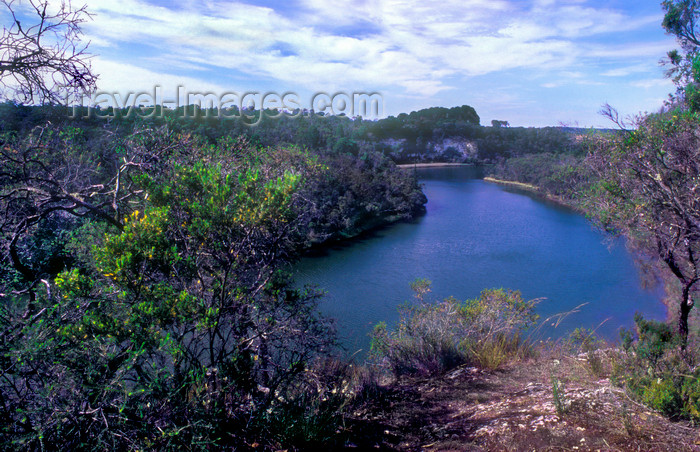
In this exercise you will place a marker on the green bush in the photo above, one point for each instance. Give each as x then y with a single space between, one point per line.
657 372
172 324
434 337
662 395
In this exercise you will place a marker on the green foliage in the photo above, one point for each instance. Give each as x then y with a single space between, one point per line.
143 302
680 19
655 338
351 196
176 328
562 175
657 373
560 403
662 395
646 189
432 338
412 137
143 306
585 340
345 145
421 287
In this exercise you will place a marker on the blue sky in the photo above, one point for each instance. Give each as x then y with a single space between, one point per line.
532 63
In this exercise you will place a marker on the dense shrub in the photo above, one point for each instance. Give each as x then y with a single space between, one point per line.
657 372
353 194
158 317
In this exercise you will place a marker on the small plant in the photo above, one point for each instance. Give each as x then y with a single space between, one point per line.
655 339
558 396
627 421
420 287
662 395
585 341
494 353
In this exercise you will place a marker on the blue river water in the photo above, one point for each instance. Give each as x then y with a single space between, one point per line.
478 235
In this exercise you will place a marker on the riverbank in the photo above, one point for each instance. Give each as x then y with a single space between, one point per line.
537 191
510 183
431 165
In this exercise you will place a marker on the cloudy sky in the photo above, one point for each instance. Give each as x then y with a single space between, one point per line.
533 63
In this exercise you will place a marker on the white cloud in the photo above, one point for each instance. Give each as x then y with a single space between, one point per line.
653 83
632 50
126 78
417 47
629 70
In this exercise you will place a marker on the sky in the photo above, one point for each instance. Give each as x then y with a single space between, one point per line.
532 63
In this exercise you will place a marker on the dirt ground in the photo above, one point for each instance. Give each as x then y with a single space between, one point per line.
514 409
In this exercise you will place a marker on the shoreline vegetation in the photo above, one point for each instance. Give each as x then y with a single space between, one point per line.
321 403
431 165
535 190
510 183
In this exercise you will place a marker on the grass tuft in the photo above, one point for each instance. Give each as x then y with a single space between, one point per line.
432 338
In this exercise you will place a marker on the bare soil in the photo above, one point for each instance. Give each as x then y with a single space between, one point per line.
514 409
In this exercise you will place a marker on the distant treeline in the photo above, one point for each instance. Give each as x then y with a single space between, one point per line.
433 134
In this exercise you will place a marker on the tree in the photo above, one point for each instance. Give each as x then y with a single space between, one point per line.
648 181
649 176
681 20
41 57
51 177
346 145
168 320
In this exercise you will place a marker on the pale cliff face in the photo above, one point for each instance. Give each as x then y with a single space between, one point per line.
459 148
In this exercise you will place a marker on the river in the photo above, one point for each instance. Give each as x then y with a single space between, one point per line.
478 235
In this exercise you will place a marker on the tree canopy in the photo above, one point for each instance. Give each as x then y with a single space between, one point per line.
647 184
648 177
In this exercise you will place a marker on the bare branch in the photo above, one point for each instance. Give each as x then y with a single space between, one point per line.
44 61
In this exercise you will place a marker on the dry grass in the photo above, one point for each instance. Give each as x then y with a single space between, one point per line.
432 338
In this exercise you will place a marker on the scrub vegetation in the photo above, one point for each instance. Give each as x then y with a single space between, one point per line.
144 303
